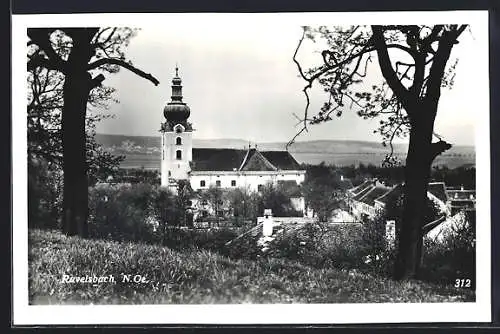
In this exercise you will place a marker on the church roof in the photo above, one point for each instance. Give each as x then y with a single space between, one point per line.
255 161
227 159
282 160
217 159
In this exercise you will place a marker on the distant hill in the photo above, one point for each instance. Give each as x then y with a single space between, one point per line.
145 150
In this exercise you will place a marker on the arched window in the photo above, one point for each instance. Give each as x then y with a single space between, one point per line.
178 141
178 154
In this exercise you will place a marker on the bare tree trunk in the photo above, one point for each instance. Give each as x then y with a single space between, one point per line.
418 166
76 89
75 190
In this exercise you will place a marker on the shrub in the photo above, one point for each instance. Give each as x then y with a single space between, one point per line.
378 256
146 213
346 246
122 212
454 256
319 245
44 194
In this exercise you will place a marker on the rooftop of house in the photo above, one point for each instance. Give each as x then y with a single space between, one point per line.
362 187
376 192
391 195
371 191
362 192
227 159
438 189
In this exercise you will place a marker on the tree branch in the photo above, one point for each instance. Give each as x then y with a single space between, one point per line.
96 81
41 37
436 72
119 62
438 148
41 61
386 66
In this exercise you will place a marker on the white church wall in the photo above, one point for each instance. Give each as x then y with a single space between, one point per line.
250 180
178 168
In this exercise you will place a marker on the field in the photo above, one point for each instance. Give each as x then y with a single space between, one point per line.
144 151
152 161
194 276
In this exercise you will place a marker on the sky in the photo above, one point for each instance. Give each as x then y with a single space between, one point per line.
240 82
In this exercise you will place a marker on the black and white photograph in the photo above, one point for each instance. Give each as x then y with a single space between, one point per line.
251 168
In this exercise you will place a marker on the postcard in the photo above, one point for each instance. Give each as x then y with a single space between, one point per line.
251 168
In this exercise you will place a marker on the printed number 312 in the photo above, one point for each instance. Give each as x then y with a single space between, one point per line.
462 283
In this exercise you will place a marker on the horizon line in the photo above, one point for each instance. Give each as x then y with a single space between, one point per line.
277 142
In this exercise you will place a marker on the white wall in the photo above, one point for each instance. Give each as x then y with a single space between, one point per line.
178 168
250 180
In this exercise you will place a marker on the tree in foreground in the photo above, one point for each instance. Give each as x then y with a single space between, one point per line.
414 63
80 55
44 108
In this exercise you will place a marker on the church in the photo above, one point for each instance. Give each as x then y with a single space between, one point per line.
221 167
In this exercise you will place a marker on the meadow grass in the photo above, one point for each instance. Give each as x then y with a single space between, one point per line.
195 276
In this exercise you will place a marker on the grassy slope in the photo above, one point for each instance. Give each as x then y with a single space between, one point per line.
198 276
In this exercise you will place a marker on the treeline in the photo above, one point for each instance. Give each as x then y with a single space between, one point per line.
240 205
135 175
453 177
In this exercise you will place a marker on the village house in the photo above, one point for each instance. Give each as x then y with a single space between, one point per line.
460 199
372 197
361 199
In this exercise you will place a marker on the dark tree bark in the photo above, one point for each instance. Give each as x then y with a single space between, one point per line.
417 175
77 85
75 191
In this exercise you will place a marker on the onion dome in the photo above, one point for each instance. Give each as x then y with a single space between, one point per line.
176 111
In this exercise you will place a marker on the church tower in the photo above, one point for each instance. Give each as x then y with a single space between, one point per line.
176 137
